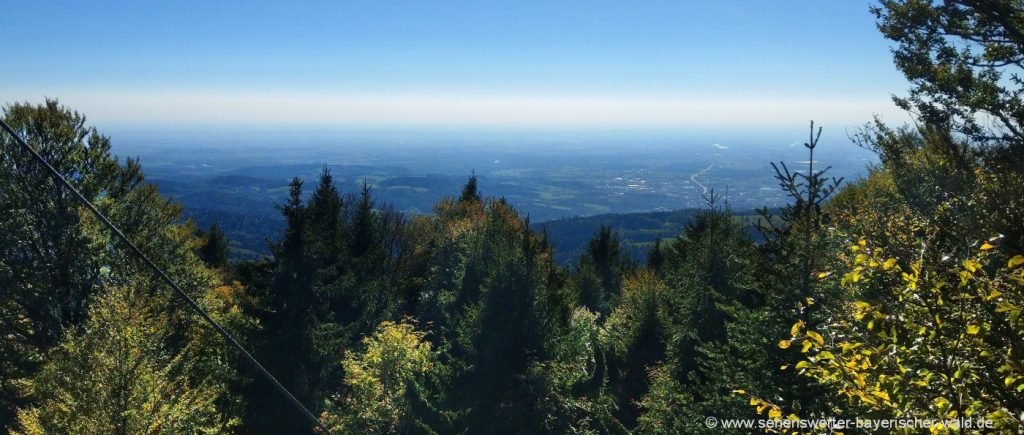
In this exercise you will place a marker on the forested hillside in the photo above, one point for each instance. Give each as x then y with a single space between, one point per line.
895 296
636 232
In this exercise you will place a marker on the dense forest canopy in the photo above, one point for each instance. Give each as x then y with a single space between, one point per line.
898 295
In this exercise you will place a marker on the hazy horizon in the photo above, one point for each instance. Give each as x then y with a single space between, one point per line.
584 65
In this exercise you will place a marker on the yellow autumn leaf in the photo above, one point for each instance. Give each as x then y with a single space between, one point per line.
1005 307
784 344
846 347
796 328
973 329
774 413
986 246
1017 260
816 337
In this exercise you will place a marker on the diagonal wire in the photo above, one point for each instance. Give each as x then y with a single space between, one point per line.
163 276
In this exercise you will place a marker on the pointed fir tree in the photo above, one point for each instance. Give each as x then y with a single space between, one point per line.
601 269
214 251
290 320
469 190
363 240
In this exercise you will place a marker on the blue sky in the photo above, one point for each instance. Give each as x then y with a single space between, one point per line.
635 64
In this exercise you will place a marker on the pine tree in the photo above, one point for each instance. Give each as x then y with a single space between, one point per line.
364 226
326 222
486 289
469 191
656 257
286 347
638 331
600 271
214 250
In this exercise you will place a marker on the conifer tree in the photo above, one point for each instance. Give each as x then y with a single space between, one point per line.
484 294
600 271
364 228
214 250
327 223
469 190
637 333
286 344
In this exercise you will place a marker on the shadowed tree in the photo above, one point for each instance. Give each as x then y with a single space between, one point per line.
469 190
289 320
600 271
214 251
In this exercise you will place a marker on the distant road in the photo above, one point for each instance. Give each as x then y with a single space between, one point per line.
693 178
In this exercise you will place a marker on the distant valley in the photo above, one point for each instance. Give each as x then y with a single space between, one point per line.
645 188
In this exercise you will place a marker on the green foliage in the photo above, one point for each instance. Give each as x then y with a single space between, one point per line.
340 268
929 328
899 295
667 405
395 358
118 374
574 381
48 265
636 335
925 339
636 232
488 288
55 256
961 58
716 317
